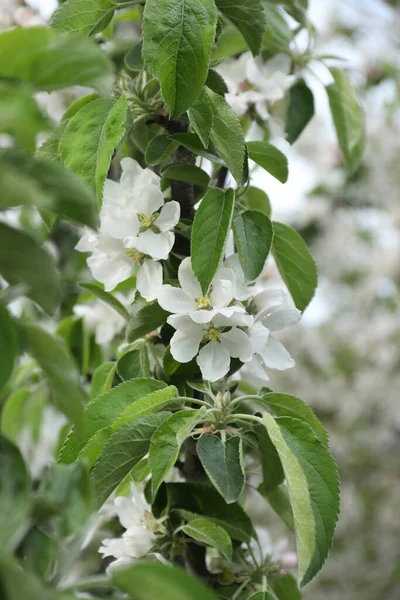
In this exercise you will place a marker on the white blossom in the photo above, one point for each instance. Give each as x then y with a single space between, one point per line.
135 231
101 319
135 516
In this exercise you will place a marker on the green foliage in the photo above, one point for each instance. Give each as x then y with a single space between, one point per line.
222 460
90 139
188 173
8 345
210 233
300 110
23 261
209 533
177 40
295 263
256 199
348 118
144 319
109 299
201 116
249 17
159 148
33 55
253 235
269 158
102 379
312 479
84 17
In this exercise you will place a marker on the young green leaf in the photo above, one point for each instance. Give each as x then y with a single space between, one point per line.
249 17
104 410
188 173
90 138
201 116
145 406
348 118
102 379
285 587
167 441
86 17
269 158
278 33
223 462
300 110
295 263
313 486
227 135
27 179
209 533
159 149
134 363
216 83
60 369
256 199
106 297
20 116
50 60
253 233
151 580
8 345
271 465
210 231
177 40
144 319
125 448
22 260
15 496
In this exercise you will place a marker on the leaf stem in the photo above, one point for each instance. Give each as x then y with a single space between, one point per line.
237 416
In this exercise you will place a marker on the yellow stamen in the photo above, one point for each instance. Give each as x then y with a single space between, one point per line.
135 255
213 335
203 302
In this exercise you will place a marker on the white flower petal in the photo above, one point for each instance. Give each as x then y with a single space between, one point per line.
202 316
238 344
282 318
275 355
169 216
223 287
119 223
188 280
131 172
156 245
147 200
149 279
110 270
85 244
175 300
113 194
214 361
259 336
239 319
186 341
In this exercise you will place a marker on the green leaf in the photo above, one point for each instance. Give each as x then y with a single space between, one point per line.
60 369
102 379
271 465
68 488
278 33
83 16
15 496
269 158
285 587
209 533
134 363
348 118
106 297
27 179
256 199
125 448
167 441
133 59
13 413
90 139
279 500
285 405
313 486
201 116
210 232
19 584
177 40
145 319
249 17
300 110
50 60
192 142
20 116
49 149
253 233
223 462
148 581
8 345
188 173
146 405
229 43
216 83
104 410
295 263
22 260
77 105
159 149
226 134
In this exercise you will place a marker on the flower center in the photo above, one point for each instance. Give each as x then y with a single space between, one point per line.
148 522
203 302
135 255
146 221
213 335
